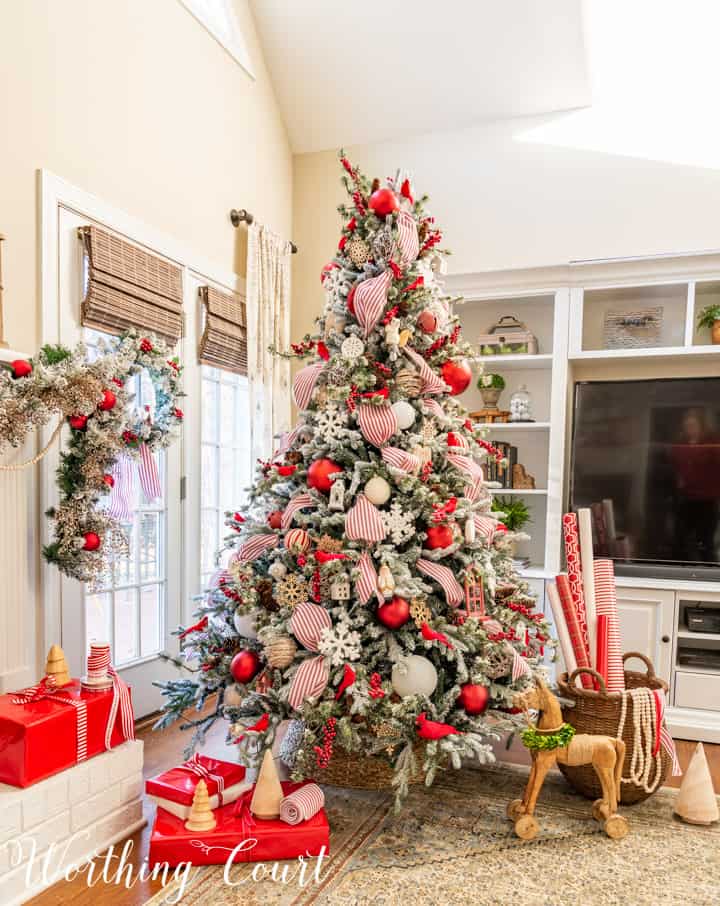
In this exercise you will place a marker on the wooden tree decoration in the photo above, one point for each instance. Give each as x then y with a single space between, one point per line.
696 802
268 791
56 666
201 816
474 596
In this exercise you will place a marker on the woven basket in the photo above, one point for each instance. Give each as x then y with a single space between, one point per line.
356 771
599 713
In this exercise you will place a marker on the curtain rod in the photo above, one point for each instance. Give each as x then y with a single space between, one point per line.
240 215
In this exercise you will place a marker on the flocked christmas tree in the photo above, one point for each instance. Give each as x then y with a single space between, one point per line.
370 597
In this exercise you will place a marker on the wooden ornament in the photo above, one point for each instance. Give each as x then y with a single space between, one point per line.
201 816
268 794
522 480
385 581
56 666
696 802
280 652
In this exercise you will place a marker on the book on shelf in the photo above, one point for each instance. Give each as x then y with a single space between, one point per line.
503 473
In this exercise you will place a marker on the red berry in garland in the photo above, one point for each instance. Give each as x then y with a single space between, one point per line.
244 666
92 541
394 613
108 401
21 368
78 422
438 536
109 480
457 375
318 475
473 698
384 202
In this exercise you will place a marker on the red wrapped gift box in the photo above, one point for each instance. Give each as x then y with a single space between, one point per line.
262 841
40 738
174 790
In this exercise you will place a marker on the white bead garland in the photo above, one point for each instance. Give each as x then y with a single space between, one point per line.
644 733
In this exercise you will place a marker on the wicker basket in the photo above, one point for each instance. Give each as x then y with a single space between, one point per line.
599 713
356 771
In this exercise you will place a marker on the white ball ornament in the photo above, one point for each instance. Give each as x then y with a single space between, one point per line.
414 675
404 413
245 625
277 569
352 348
377 490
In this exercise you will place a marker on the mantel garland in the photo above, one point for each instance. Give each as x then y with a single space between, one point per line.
92 398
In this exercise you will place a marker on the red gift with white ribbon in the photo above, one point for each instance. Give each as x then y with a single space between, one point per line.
173 790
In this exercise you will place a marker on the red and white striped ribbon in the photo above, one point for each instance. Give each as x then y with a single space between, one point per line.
466 465
98 660
287 440
99 665
520 666
311 678
122 494
408 243
46 688
307 623
401 460
454 593
370 299
665 739
606 603
432 382
149 474
298 502
257 545
363 521
433 407
304 384
475 489
377 423
485 526
574 569
366 584
310 681
302 805
195 766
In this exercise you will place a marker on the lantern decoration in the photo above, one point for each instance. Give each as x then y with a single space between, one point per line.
337 496
474 597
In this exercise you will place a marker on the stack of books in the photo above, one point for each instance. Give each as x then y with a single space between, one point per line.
498 472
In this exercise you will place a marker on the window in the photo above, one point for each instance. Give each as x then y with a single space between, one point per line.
220 19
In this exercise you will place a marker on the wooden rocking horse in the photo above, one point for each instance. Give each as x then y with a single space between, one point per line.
552 741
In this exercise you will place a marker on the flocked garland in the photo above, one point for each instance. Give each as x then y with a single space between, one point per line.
93 399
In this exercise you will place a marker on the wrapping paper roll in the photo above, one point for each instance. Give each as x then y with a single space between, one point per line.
606 604
561 629
574 572
574 629
302 805
588 576
602 647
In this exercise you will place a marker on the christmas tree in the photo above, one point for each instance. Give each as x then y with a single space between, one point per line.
370 597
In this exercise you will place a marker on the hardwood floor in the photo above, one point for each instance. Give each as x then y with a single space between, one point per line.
163 750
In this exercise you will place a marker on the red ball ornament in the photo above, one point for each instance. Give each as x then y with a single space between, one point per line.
92 541
318 475
78 422
473 698
244 666
274 519
457 375
439 536
427 321
394 613
108 401
21 368
453 440
350 301
384 202
109 480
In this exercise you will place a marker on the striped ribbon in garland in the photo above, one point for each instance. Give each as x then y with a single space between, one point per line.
408 243
454 593
304 384
377 423
297 503
370 299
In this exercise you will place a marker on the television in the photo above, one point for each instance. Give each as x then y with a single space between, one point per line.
646 461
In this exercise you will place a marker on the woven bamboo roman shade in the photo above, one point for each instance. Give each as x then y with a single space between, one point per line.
129 287
224 340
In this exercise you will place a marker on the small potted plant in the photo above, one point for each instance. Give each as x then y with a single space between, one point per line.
490 387
710 317
515 514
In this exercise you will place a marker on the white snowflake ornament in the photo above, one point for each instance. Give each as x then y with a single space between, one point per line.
328 421
399 524
339 644
352 348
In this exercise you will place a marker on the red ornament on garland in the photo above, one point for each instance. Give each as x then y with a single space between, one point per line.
78 422
438 536
318 475
274 519
473 698
21 368
394 613
457 375
108 401
244 666
109 480
384 202
92 541
427 321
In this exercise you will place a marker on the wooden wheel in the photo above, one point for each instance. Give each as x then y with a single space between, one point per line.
515 809
616 827
600 811
526 827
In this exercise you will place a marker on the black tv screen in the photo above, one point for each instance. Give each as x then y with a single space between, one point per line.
646 460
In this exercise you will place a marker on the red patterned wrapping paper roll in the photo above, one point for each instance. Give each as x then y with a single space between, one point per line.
602 647
574 570
573 627
606 605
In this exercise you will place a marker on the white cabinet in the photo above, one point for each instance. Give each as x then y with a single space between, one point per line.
646 625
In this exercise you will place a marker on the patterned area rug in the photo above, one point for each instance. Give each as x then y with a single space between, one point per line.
452 844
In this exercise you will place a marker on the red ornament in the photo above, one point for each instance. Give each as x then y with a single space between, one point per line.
427 321
394 613
92 541
438 536
108 401
318 475
473 698
274 519
109 480
78 422
342 243
21 368
453 440
457 375
384 202
433 729
323 351
286 471
331 266
244 666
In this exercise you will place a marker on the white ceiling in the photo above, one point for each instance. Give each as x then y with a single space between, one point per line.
355 73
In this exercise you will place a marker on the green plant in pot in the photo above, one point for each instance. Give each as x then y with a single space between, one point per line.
515 514
490 387
710 317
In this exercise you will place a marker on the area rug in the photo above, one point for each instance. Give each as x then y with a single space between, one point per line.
452 844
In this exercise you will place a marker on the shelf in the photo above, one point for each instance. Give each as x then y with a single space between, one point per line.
539 492
685 668
685 633
515 426
535 572
518 362
651 354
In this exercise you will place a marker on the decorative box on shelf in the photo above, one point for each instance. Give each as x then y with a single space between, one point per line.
174 789
506 337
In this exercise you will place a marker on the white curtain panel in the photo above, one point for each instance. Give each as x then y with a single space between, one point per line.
268 320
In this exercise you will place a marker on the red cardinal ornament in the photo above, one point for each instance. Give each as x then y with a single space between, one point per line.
347 681
21 368
274 520
431 635
108 401
432 729
92 541
473 698
394 613
318 475
406 191
259 727
384 202
78 422
457 375
326 270
244 666
438 536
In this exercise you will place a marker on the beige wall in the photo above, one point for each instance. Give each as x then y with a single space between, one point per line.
133 101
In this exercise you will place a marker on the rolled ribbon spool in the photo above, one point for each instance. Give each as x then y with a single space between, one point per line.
98 677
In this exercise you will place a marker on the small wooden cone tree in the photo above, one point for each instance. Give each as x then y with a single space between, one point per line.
56 666
696 802
268 792
201 816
